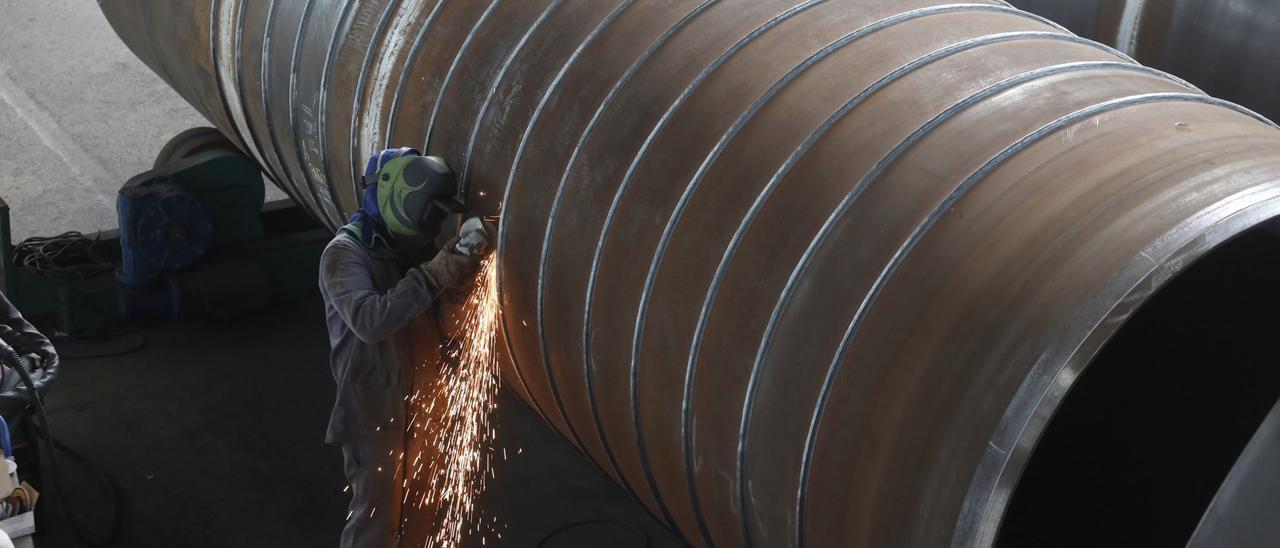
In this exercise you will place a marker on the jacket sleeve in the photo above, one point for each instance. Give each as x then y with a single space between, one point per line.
370 314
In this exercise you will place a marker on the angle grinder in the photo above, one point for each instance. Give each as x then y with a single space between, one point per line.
478 237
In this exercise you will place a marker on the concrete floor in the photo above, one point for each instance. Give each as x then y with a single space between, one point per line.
214 433
79 116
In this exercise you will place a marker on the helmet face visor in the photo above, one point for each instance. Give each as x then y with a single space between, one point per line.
410 190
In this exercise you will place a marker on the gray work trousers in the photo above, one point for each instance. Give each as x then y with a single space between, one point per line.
376 494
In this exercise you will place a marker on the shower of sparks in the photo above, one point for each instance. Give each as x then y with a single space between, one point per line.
452 418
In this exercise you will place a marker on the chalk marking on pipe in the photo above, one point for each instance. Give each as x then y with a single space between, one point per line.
51 135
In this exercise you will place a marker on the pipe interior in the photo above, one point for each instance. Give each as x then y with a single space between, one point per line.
1145 437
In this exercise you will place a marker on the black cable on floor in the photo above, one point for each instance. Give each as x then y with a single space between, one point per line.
70 256
18 364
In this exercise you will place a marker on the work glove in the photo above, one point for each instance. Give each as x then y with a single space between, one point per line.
478 237
450 270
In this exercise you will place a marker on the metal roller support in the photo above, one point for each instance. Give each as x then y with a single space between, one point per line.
796 273
1225 46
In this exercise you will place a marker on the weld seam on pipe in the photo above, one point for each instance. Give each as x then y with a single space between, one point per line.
390 42
517 162
885 23
223 75
552 89
919 232
453 68
269 110
215 52
682 202
883 166
609 19
331 218
266 168
625 262
282 167
880 169
493 90
465 179
853 105
588 131
768 25
343 28
291 108
668 231
357 155
414 51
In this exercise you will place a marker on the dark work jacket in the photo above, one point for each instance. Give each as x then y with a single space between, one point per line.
370 304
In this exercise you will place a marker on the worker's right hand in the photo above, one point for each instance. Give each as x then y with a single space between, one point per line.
451 270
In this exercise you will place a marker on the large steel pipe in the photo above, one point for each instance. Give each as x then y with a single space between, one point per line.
1227 47
796 273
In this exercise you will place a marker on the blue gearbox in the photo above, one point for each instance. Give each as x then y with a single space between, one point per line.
163 228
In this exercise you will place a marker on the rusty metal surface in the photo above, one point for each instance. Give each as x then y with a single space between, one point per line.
795 273
1226 47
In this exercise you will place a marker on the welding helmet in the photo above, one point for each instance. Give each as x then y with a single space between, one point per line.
415 195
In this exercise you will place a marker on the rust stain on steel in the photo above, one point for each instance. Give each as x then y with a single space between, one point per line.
796 273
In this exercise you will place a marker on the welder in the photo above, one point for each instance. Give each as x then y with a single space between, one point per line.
383 282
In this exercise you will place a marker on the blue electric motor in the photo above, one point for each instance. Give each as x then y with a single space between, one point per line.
163 228
182 226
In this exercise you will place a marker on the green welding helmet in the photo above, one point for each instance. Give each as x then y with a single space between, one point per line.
416 194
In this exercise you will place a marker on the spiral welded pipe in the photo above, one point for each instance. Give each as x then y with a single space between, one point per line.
796 273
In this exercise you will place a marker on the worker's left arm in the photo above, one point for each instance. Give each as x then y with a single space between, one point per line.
371 314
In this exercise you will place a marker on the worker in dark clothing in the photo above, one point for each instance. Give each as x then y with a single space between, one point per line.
381 311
